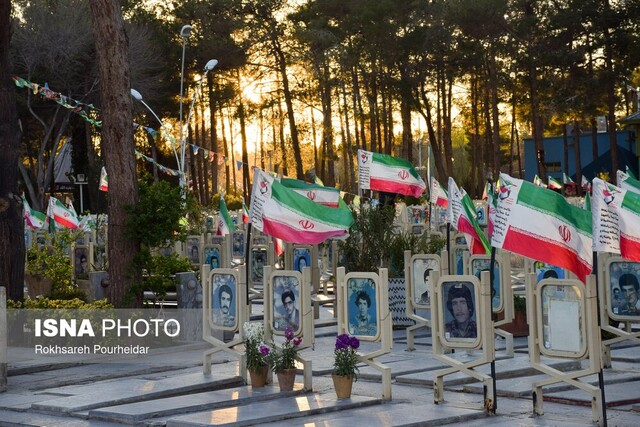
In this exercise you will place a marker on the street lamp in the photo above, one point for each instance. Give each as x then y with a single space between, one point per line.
185 32
210 65
138 96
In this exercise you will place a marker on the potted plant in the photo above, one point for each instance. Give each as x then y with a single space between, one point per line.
345 369
257 353
283 359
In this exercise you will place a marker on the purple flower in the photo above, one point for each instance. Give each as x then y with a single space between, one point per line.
297 341
288 333
354 343
264 350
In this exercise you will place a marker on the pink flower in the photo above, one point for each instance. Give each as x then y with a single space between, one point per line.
297 341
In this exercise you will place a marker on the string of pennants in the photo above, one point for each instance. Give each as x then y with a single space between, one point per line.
81 109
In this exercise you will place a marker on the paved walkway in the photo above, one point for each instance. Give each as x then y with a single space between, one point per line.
168 388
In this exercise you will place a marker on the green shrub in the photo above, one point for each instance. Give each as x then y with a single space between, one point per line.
48 303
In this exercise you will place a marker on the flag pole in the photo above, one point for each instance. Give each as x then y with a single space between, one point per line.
600 372
492 277
247 267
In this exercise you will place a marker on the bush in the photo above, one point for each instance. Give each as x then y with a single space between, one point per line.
52 262
47 303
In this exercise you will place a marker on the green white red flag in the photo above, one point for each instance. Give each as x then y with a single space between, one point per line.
104 180
439 195
62 215
628 182
282 213
462 216
245 213
542 225
584 183
616 220
382 172
566 179
225 223
538 182
316 192
34 219
553 183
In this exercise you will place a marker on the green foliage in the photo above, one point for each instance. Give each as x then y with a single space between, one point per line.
157 219
47 303
372 243
158 272
519 303
369 238
52 262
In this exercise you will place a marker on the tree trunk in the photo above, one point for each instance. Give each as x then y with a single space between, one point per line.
117 142
11 220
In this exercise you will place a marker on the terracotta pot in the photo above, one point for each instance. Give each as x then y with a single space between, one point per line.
259 377
342 385
286 379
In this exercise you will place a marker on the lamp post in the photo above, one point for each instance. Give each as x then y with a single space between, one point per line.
185 32
138 96
210 65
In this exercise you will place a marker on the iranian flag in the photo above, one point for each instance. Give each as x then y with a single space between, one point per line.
628 182
538 182
542 225
382 172
278 245
439 195
104 180
316 192
62 215
225 224
553 183
462 216
245 213
35 220
616 220
284 214
566 179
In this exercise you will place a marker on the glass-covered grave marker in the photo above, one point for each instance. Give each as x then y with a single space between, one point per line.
561 318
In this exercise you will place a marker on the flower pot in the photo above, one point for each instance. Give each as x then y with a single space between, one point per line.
342 385
286 379
259 376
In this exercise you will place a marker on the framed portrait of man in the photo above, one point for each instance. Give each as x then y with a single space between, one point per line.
547 271
237 247
623 289
480 263
459 302
422 266
258 261
81 262
212 256
362 308
193 249
301 258
224 302
561 318
285 302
